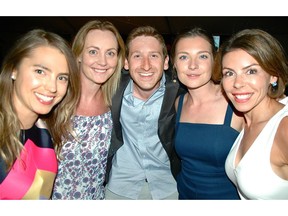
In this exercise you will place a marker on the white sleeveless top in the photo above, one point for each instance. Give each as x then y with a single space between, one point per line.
253 175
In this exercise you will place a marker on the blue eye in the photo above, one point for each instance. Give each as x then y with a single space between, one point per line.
183 57
203 56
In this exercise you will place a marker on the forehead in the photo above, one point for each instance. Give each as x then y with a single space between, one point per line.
238 55
42 52
97 36
48 56
141 42
195 41
238 58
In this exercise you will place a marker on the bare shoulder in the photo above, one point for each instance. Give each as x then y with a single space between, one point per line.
238 121
282 131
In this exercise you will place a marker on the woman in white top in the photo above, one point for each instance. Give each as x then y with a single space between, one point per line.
254 72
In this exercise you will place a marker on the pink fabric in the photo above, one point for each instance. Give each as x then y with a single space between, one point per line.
22 174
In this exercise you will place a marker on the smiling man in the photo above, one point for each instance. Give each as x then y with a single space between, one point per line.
141 152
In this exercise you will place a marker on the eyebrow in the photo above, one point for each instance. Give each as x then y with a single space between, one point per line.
254 64
48 69
149 52
199 52
98 48
42 66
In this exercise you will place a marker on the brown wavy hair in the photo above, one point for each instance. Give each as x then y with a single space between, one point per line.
58 120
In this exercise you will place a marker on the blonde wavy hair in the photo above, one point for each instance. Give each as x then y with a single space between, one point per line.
109 88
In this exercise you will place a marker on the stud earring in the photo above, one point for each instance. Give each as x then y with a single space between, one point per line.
274 84
13 77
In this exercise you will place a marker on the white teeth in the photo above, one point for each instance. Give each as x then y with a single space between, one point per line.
99 70
193 75
44 98
243 97
146 74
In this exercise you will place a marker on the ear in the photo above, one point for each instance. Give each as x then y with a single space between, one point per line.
273 79
126 65
79 58
13 75
166 63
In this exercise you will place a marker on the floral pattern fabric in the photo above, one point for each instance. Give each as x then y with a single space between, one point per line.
82 162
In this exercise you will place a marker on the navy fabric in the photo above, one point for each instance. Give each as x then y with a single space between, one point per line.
203 149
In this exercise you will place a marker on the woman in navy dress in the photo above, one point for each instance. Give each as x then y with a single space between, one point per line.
206 125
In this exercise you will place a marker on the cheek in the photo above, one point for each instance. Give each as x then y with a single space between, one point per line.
87 60
209 66
132 65
181 76
180 67
258 80
113 62
261 84
226 84
32 81
62 89
134 75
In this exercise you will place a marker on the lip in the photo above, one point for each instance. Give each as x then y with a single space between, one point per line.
98 70
44 99
242 97
192 76
145 74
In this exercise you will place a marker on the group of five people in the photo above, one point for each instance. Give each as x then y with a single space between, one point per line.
105 120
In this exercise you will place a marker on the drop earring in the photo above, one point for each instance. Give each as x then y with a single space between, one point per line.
274 84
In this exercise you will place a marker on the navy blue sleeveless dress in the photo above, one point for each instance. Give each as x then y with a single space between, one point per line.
203 149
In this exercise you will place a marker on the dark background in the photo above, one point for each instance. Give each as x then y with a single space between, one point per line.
67 26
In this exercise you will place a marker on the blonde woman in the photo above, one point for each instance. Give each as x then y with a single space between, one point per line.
99 49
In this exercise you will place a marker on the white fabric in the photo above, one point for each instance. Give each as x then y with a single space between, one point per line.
253 175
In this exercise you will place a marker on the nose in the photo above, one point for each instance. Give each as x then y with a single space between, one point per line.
146 65
51 85
239 81
193 64
101 60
